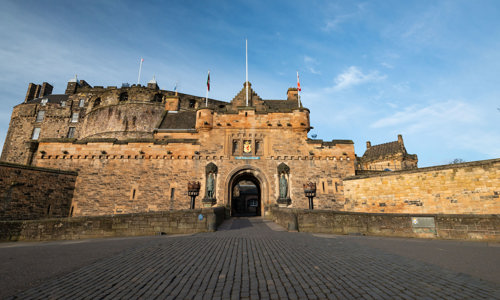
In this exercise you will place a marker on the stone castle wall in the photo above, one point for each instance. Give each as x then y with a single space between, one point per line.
142 177
34 193
468 188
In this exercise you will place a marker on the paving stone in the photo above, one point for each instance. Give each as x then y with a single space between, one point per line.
248 260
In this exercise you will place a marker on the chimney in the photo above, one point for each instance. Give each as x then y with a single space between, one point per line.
400 139
72 85
368 145
46 89
30 94
292 94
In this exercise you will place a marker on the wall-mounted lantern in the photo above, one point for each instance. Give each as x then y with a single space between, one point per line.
310 192
193 191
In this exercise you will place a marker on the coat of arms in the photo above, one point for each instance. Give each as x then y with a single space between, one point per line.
247 146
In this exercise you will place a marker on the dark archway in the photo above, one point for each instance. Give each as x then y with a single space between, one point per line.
245 196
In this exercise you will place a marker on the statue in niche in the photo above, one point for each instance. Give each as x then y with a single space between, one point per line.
283 186
210 185
211 182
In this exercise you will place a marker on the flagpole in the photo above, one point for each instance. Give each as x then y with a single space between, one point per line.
208 88
140 68
246 69
298 90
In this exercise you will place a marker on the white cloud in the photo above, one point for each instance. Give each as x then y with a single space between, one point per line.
428 117
310 65
354 76
334 24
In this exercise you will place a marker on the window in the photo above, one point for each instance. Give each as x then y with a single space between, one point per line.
124 96
235 147
172 193
40 116
44 101
157 98
63 103
82 103
71 132
258 147
36 133
97 102
192 103
74 118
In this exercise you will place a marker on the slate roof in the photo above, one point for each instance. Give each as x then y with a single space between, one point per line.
179 120
280 105
51 99
385 150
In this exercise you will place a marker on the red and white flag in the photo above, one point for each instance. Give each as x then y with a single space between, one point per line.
208 82
298 82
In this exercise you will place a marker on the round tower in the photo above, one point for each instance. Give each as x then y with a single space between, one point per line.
204 119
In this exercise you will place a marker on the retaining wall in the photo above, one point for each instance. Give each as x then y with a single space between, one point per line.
169 222
466 227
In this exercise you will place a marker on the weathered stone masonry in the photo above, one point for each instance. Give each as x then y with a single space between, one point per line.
33 193
467 188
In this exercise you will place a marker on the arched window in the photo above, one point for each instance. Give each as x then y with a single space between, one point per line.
97 102
124 96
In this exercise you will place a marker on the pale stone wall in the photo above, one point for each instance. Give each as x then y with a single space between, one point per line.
468 188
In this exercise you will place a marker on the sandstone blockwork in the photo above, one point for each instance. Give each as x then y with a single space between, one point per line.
35 193
135 148
467 188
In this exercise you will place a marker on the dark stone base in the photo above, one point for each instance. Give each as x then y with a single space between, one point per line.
284 201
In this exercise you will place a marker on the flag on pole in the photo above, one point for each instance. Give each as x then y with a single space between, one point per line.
208 81
298 82
142 59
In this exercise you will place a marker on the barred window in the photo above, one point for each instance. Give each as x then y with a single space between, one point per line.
82 103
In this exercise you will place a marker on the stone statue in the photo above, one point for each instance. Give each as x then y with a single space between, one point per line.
210 185
283 186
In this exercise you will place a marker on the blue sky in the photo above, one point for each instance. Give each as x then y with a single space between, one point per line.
369 70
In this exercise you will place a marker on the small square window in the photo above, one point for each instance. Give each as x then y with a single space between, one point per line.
44 101
63 103
74 118
40 115
71 132
82 103
36 133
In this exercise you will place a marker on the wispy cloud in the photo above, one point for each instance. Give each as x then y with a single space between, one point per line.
311 64
433 116
354 76
334 24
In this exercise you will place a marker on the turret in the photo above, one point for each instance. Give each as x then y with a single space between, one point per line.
204 119
368 145
152 84
300 119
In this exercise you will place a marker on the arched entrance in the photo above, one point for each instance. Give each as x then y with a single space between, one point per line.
245 193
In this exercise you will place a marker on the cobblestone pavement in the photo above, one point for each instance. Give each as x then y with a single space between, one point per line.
247 259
